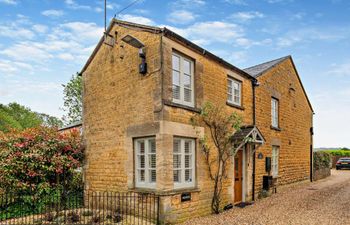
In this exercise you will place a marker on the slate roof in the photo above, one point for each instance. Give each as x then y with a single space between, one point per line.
243 133
170 34
72 125
259 69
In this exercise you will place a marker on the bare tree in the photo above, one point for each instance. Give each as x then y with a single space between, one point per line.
219 148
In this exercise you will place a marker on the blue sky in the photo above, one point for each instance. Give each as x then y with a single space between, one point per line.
44 42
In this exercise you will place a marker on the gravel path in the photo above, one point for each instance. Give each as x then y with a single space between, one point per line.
322 202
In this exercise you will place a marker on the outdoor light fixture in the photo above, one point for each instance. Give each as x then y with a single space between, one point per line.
133 41
137 44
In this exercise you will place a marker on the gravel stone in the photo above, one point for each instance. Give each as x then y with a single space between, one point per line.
325 201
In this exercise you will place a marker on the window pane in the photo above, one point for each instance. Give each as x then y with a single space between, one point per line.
237 100
153 176
229 90
177 176
229 97
177 161
187 81
176 92
152 161
187 67
142 175
188 175
176 78
236 85
141 149
229 83
176 63
152 146
188 147
188 161
176 146
187 95
141 161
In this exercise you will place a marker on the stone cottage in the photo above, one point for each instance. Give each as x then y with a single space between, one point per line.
142 84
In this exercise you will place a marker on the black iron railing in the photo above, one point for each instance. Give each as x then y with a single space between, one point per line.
93 208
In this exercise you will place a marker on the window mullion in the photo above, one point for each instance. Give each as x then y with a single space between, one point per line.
182 91
182 161
146 161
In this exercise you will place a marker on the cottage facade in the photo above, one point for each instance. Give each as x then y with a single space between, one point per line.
137 130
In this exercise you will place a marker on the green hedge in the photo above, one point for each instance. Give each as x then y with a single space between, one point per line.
322 160
345 153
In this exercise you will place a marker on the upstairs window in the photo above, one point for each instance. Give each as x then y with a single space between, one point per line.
145 163
234 91
275 158
182 79
274 112
183 162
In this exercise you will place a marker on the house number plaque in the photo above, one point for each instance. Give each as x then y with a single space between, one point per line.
185 197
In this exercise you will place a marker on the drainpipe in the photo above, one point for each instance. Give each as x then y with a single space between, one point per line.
254 85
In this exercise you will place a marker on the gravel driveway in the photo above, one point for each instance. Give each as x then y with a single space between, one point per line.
322 202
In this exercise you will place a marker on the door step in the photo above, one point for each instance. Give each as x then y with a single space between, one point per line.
243 204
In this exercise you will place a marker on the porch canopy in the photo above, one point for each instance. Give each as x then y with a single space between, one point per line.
247 134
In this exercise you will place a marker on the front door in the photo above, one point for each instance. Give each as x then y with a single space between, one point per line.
238 176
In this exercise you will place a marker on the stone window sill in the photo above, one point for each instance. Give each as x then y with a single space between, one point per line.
234 105
177 105
276 128
165 193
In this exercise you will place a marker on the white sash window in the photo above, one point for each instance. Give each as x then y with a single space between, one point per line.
184 162
145 163
182 80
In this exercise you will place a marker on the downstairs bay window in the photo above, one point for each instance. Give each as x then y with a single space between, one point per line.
145 162
184 163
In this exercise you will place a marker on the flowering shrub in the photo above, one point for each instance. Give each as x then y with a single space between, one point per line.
38 160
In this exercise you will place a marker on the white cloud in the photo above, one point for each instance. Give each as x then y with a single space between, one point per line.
247 43
236 2
181 17
187 4
26 52
73 5
205 33
8 67
98 9
298 16
246 16
340 70
81 31
9 2
52 13
40 28
307 35
66 56
136 19
14 32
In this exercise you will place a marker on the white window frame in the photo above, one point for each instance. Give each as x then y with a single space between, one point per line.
181 78
183 183
274 112
231 91
275 160
147 153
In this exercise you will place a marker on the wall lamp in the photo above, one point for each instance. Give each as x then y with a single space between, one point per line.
137 44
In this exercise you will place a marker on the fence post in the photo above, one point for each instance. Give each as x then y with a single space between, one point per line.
158 210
